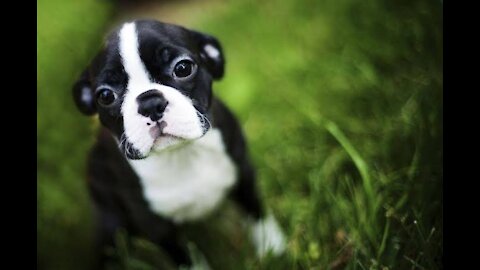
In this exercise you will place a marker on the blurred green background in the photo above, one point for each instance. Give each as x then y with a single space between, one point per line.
341 102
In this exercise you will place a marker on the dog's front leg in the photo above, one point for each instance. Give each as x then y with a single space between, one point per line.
265 231
266 234
160 231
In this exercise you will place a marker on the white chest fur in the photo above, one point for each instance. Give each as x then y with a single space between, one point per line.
187 182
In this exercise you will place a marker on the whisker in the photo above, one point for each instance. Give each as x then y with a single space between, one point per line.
203 120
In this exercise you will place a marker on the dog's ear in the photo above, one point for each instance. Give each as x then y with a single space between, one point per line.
211 53
83 94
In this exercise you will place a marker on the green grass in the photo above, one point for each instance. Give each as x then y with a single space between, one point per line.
68 34
342 105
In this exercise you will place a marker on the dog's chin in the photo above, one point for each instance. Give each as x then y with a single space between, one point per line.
164 143
159 140
167 141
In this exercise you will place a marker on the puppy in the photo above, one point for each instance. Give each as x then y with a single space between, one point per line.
168 152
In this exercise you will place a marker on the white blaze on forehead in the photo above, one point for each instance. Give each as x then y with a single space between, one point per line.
138 81
131 60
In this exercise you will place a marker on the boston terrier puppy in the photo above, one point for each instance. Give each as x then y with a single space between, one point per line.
168 152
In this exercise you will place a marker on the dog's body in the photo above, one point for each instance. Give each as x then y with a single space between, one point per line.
169 151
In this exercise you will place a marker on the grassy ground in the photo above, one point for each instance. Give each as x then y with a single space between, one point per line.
341 102
68 33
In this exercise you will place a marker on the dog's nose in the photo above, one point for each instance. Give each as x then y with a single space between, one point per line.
152 104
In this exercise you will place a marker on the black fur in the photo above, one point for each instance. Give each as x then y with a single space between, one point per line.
113 185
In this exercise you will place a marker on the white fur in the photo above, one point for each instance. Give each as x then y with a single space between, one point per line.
132 62
211 51
180 116
267 236
186 183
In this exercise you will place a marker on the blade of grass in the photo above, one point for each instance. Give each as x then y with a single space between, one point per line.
384 240
311 113
359 162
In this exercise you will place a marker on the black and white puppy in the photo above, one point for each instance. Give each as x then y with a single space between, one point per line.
168 152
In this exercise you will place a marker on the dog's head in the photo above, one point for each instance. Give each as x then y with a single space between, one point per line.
151 85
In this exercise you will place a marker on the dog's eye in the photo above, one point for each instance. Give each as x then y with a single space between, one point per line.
183 69
105 96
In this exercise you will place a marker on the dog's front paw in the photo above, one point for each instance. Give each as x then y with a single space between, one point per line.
268 236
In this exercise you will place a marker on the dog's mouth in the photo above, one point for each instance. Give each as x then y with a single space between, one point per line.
149 137
166 136
162 139
159 141
157 129
157 132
